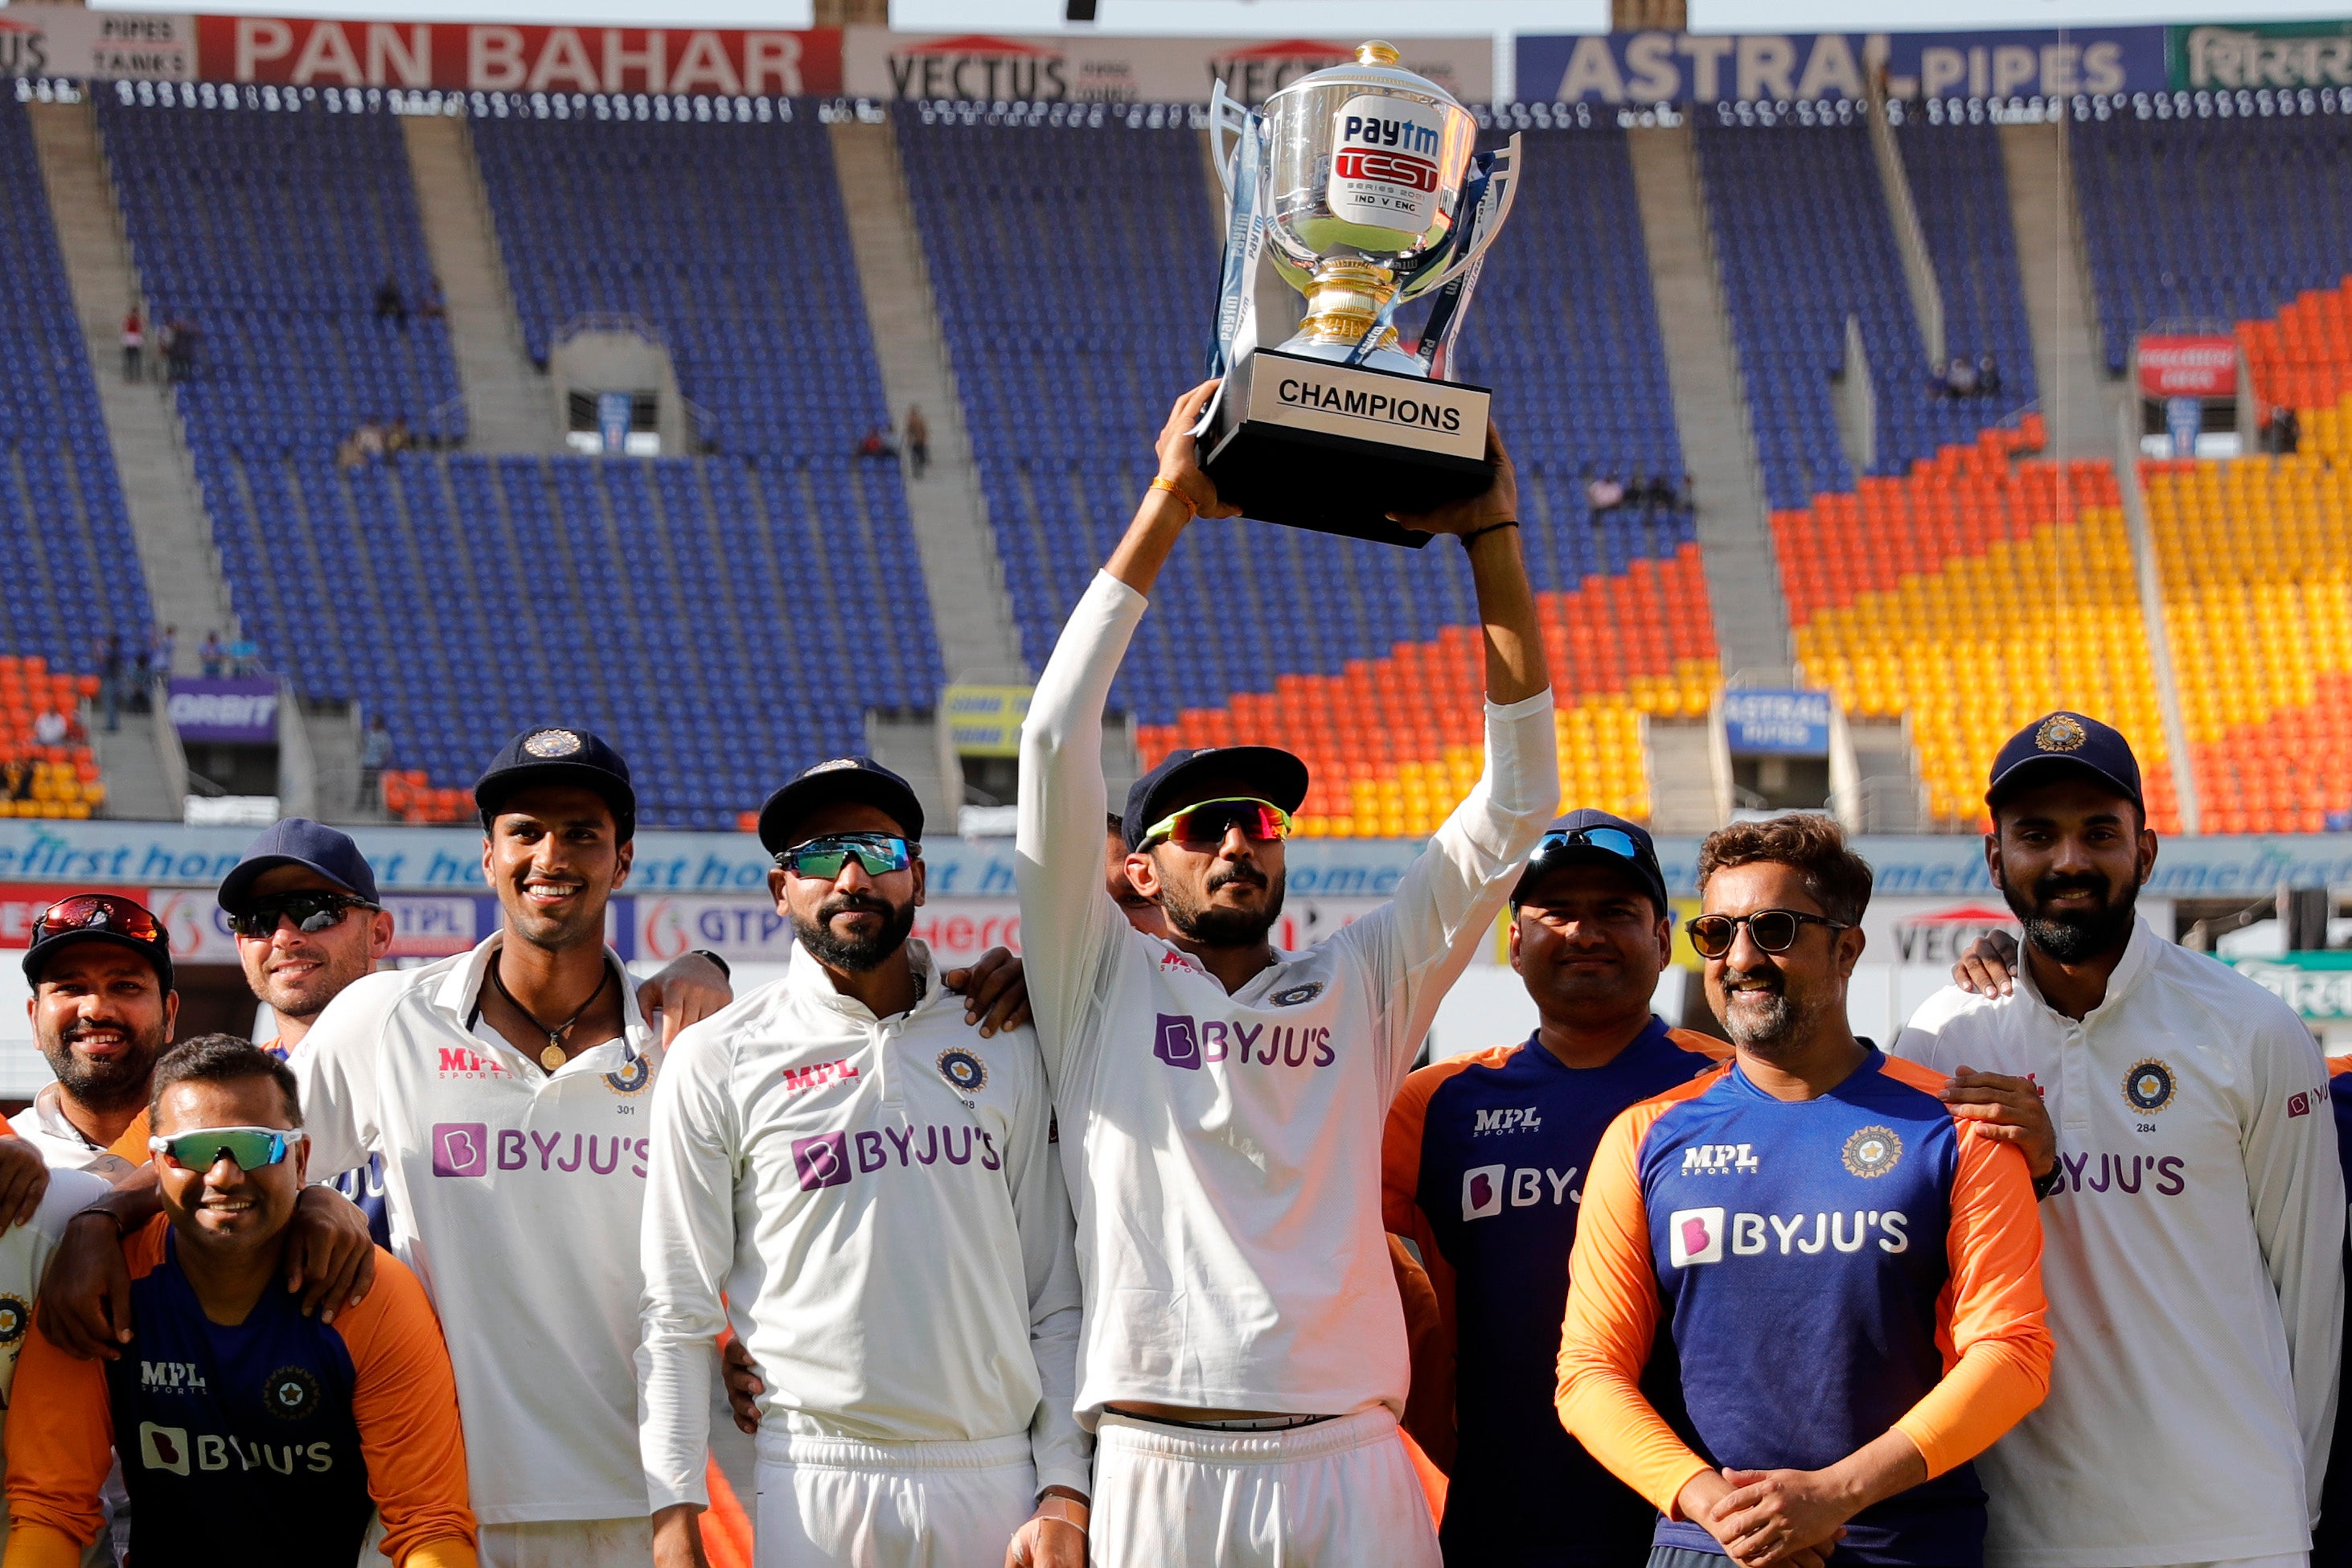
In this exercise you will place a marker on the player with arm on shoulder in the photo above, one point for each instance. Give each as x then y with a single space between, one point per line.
1221 1102
1845 1273
2176 1115
239 1419
1484 1169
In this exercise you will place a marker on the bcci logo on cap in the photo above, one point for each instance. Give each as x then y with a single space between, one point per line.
2061 732
552 744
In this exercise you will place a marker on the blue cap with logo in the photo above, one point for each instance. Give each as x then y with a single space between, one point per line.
298 841
2063 743
1273 773
554 755
859 779
1590 838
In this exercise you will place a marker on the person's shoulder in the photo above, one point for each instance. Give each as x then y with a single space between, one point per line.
1643 1115
716 1037
367 1002
1424 1081
70 1191
1952 1011
2243 1009
1706 1050
1918 1085
397 1302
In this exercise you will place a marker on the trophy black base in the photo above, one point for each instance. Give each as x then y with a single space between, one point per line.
1335 448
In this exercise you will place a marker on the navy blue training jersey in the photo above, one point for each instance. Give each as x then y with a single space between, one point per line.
1485 1166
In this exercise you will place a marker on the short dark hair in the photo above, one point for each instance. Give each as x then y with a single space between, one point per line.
221 1058
1115 826
1838 879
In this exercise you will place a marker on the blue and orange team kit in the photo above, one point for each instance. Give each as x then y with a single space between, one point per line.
1820 1272
1483 1168
280 1429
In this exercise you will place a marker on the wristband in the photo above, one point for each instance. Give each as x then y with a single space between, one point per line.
120 1230
1482 533
2045 1186
1164 483
718 962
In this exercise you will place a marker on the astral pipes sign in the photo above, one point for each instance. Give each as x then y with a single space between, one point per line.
69 41
1711 68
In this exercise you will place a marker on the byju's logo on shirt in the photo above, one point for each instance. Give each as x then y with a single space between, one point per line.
1720 1160
1694 1236
822 1160
830 1158
1181 1041
1514 1118
1485 1187
461 1148
164 1448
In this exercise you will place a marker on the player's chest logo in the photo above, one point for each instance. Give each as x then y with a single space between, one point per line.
1182 1041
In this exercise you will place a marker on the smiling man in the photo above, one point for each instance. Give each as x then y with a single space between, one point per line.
241 1419
1842 1274
1485 1168
2193 1200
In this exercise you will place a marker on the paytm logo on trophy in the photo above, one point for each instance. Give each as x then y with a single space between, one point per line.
1355 186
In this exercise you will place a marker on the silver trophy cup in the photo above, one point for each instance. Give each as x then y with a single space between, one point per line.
1358 187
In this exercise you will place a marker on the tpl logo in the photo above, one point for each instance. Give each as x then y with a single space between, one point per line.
1516 1119
1484 1188
1719 1160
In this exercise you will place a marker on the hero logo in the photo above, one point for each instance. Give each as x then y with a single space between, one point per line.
1719 1160
1521 1119
1696 1235
826 1160
1385 169
1485 1187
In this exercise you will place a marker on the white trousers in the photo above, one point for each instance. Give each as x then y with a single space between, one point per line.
569 1543
829 1502
1339 1494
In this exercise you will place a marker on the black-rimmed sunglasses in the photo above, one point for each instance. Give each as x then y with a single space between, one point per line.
311 910
1772 931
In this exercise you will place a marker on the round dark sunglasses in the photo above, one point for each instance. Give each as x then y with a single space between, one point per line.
1772 931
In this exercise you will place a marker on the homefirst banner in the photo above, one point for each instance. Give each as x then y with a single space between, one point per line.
1650 68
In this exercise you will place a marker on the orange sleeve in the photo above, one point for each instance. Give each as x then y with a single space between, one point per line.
1429 1406
1429 1403
1996 1347
1700 1045
60 1440
405 1400
1613 1319
132 1144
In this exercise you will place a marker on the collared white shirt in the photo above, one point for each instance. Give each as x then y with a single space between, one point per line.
64 1146
879 1201
2193 1259
1224 1151
515 1194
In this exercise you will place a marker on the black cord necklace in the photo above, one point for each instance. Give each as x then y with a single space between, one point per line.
553 1056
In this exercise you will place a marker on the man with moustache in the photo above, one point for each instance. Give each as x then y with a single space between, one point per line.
1845 1273
1221 1102
870 1197
2195 1208
1484 1168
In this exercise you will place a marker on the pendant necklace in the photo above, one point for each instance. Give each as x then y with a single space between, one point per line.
553 1057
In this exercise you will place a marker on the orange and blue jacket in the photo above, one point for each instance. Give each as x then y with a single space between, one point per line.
1823 1270
281 1431
1483 1167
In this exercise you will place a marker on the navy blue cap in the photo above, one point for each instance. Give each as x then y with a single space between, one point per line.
1552 853
859 779
1272 773
555 756
2062 743
298 841
106 925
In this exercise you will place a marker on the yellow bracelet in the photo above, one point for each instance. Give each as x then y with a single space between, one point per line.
1164 483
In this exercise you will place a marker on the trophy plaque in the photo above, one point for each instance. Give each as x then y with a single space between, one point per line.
1357 187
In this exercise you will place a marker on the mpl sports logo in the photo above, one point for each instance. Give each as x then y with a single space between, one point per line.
1506 1119
1384 168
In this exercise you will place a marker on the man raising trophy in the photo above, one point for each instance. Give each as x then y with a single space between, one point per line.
1221 1102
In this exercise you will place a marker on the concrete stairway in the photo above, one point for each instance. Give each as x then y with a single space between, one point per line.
508 407
966 581
2078 398
1688 792
1743 579
138 785
142 424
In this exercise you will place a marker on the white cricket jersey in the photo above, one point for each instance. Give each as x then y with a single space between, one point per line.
515 1195
879 1201
24 1254
64 1146
2193 1257
1224 1151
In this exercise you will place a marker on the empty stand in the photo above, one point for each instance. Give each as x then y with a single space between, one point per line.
1804 241
1970 595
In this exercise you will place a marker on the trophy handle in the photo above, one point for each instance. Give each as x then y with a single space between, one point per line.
1479 227
1227 116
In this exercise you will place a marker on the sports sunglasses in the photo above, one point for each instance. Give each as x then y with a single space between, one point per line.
1210 820
823 859
98 912
1772 931
250 1147
311 910
1609 840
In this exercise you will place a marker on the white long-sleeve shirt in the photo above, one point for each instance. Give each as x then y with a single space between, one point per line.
879 1201
1224 1151
515 1195
2193 1257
